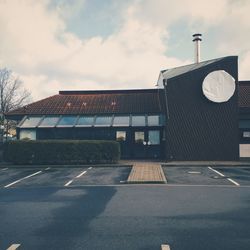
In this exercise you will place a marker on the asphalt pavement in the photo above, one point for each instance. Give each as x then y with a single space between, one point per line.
197 209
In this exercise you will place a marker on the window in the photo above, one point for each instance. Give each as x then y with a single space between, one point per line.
49 121
138 120
103 121
246 134
122 121
29 134
153 137
121 135
67 121
244 124
139 137
85 121
153 120
31 122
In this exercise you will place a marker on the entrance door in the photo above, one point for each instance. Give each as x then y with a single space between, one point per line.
146 144
139 147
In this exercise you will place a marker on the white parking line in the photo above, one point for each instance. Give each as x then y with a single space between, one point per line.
68 183
4 169
229 179
26 177
217 172
234 182
194 172
47 168
90 168
165 247
14 246
78 176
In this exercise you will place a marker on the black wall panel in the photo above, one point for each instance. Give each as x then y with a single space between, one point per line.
198 129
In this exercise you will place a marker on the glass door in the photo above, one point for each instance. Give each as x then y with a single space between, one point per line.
146 144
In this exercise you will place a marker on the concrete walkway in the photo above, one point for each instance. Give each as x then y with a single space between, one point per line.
146 172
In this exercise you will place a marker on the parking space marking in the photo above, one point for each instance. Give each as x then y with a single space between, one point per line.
194 172
217 172
47 168
90 168
81 174
68 183
78 176
234 182
165 247
26 177
4 169
229 179
14 246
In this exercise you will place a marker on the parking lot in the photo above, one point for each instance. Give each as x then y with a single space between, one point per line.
62 177
200 207
83 176
208 175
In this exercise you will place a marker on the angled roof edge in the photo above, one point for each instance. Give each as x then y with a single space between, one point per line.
179 71
108 91
244 82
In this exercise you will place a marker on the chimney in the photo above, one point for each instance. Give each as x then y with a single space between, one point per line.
197 40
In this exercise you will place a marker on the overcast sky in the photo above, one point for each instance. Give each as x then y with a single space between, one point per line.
116 44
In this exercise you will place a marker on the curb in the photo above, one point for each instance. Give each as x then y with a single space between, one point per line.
66 166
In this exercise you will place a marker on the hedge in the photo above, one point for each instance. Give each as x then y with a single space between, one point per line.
61 152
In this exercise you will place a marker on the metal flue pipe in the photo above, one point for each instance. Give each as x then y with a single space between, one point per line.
197 39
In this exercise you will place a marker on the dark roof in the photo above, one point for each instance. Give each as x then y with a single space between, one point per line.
244 95
97 102
178 71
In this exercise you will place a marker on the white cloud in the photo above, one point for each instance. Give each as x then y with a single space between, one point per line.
165 12
244 66
35 43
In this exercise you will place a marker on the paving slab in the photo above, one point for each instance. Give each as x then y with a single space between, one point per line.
146 172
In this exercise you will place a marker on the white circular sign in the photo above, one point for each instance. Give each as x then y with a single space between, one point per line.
218 86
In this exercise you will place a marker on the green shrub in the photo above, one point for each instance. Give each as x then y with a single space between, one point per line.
61 152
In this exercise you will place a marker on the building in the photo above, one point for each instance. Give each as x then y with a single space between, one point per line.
175 121
244 118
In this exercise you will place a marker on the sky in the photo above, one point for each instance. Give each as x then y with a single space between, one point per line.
57 45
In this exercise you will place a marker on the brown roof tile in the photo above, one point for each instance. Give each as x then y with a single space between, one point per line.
97 102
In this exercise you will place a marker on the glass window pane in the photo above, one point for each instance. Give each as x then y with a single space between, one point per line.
153 137
244 124
246 134
121 135
28 134
49 121
138 120
122 121
103 121
139 137
67 121
153 120
85 121
31 122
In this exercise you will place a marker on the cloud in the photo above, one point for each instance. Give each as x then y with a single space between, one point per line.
36 44
166 12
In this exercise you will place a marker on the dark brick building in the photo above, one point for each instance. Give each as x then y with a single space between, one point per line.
174 121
